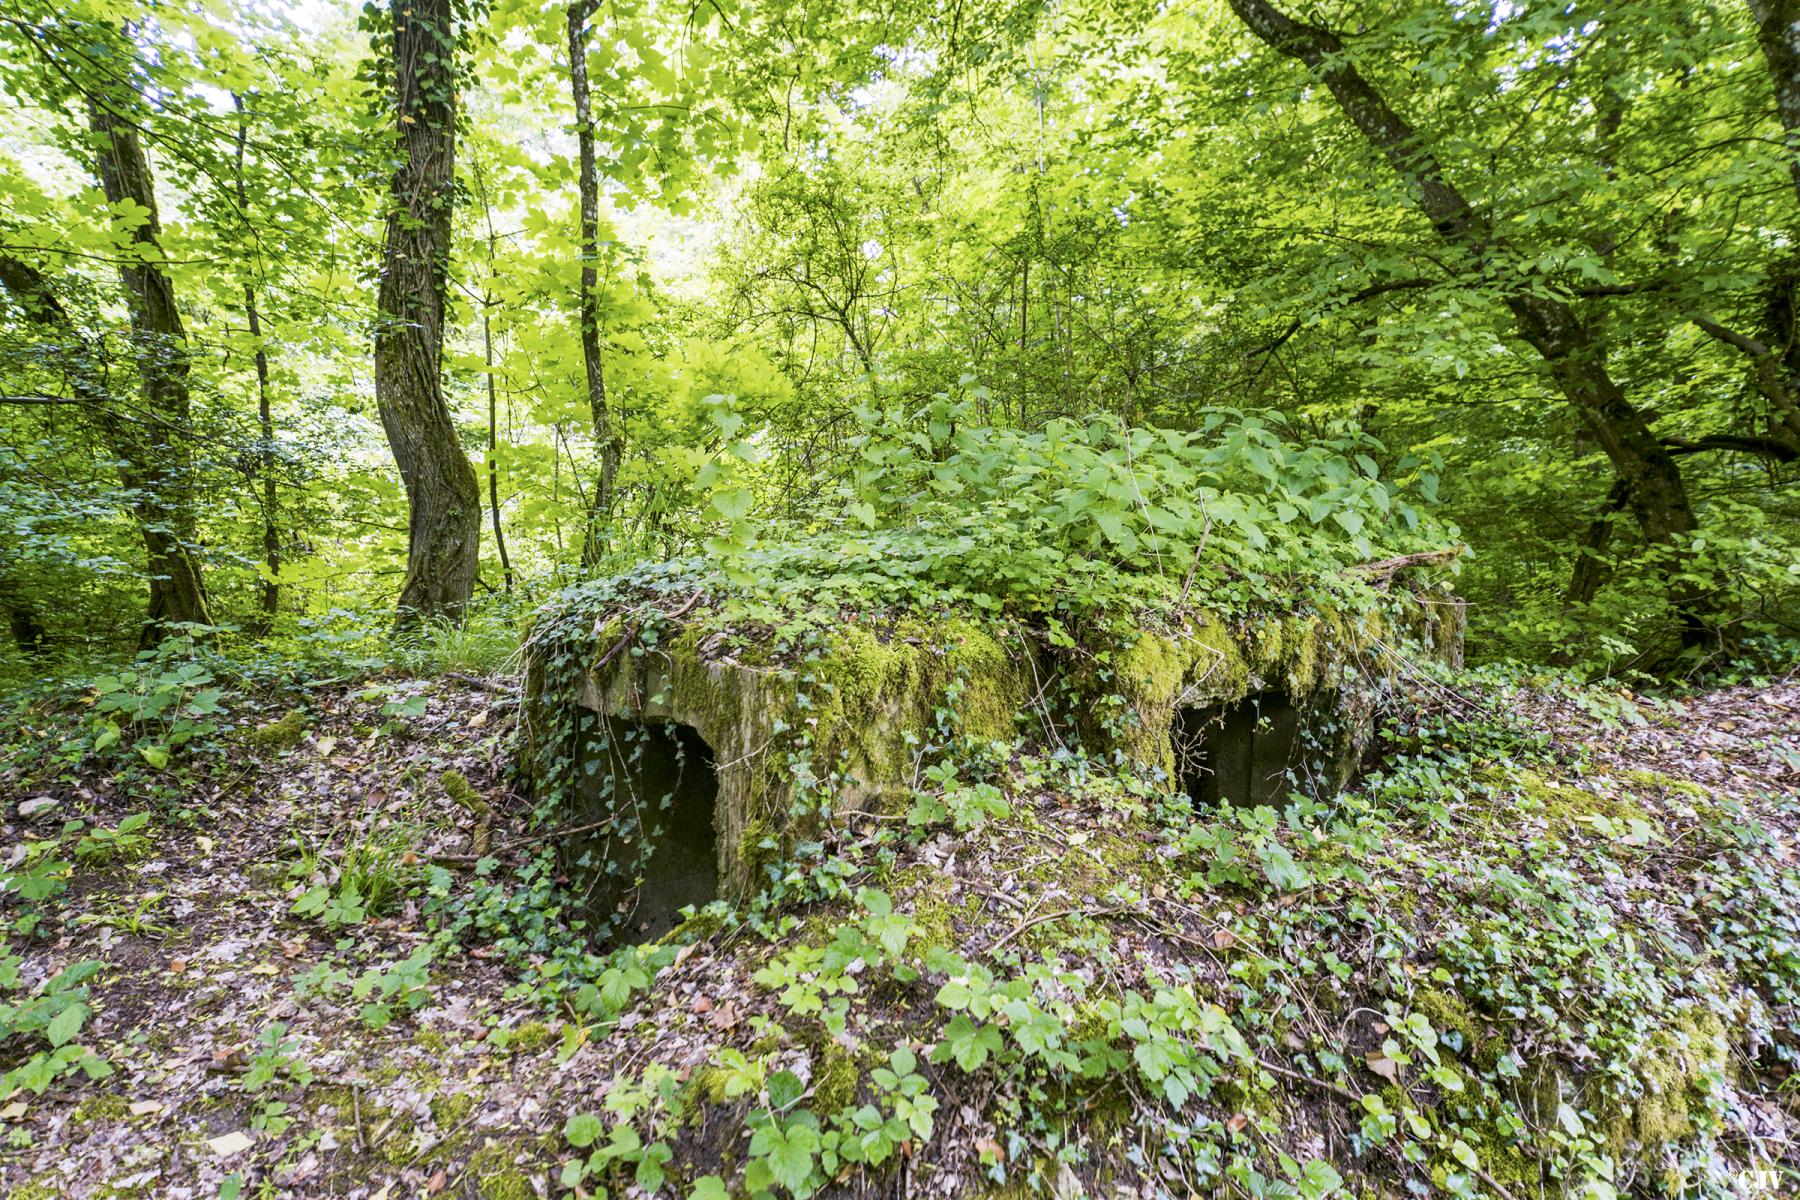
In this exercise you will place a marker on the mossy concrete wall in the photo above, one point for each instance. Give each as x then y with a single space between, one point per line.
844 724
1327 665
850 717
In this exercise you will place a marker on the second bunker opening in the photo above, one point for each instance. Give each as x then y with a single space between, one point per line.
1247 752
645 784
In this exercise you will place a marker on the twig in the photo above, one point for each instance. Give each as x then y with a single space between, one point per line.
1022 926
480 684
1188 583
1325 1085
633 629
445 1137
1385 569
452 860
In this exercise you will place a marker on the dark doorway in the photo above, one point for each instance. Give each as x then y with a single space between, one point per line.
1242 753
658 777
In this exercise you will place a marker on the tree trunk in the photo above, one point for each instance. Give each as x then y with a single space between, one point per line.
27 631
493 445
1656 493
265 450
1778 33
487 301
606 438
160 466
444 529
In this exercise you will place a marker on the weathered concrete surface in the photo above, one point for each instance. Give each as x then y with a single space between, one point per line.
1238 713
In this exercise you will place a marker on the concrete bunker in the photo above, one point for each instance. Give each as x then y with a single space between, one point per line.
654 784
1245 752
760 754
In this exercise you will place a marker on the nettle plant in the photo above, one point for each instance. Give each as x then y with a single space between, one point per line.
1128 513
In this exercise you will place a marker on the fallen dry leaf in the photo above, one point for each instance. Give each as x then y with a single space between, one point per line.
142 1108
1383 1066
228 1144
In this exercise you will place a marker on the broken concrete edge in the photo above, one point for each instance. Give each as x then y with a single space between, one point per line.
797 737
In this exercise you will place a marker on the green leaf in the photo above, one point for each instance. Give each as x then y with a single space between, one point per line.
785 1088
790 1155
708 1187
583 1130
66 1024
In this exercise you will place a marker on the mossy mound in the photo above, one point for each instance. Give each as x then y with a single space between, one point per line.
1397 993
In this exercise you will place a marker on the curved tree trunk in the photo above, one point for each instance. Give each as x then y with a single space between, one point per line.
444 499
1655 491
160 467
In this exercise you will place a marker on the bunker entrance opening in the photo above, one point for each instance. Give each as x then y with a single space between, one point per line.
659 778
1240 753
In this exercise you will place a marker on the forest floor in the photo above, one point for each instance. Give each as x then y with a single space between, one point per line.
245 1059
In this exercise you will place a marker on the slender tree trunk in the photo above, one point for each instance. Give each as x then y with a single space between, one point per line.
265 466
444 528
606 438
265 450
493 445
487 301
1590 569
160 464
1656 493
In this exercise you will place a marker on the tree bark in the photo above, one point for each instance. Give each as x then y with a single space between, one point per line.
1778 33
444 528
160 466
1655 491
606 438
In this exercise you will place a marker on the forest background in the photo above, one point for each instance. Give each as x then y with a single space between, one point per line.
640 280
